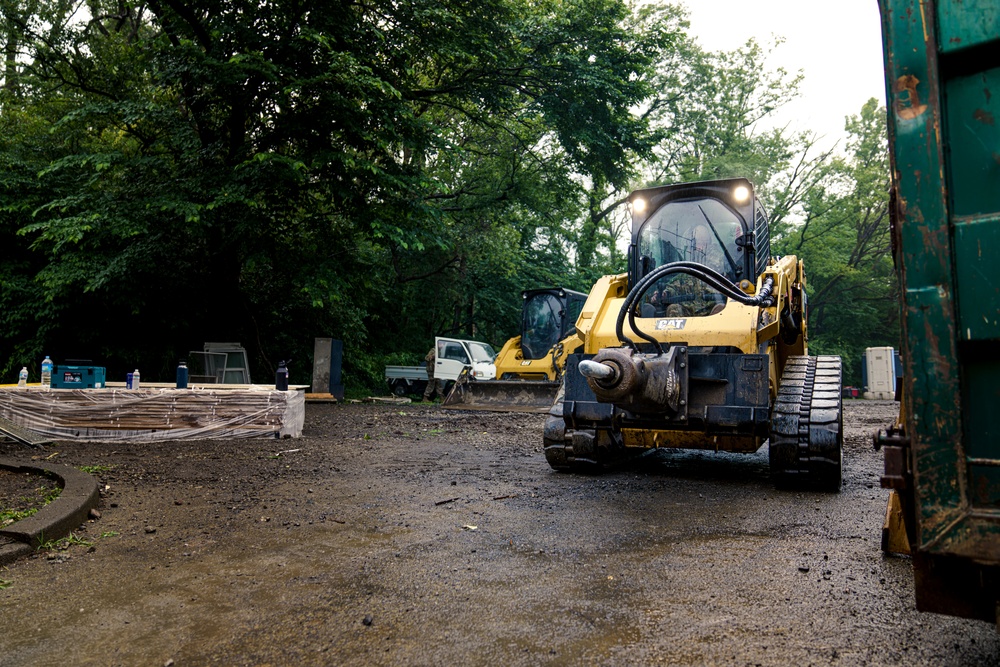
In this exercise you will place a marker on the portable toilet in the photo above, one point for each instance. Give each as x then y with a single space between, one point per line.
880 373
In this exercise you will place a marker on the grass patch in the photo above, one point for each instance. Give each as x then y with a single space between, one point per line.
93 470
43 496
73 539
10 516
64 543
4 583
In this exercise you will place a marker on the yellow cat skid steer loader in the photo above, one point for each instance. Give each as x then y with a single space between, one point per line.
530 366
701 345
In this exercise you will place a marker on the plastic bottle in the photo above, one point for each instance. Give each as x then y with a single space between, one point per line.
135 379
22 378
46 372
182 374
281 377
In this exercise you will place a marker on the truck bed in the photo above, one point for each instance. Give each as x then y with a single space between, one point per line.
406 373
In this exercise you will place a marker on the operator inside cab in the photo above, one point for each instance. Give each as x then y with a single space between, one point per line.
542 317
700 230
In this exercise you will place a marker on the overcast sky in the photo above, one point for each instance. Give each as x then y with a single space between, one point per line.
838 46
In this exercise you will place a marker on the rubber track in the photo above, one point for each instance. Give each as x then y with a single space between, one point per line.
807 442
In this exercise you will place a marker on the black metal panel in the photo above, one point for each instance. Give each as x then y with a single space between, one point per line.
579 404
736 420
727 379
728 394
577 388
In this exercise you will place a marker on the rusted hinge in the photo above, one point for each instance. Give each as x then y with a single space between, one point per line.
896 447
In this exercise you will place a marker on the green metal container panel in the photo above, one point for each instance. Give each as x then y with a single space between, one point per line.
977 269
967 23
943 83
982 432
972 109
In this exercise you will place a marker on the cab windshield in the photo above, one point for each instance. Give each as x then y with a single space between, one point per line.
542 326
701 230
482 352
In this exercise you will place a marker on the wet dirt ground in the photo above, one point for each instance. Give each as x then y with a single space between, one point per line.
412 535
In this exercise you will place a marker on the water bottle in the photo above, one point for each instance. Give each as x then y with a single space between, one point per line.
46 372
182 374
22 378
135 379
281 377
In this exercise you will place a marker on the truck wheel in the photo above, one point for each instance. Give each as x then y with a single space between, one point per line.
806 445
399 389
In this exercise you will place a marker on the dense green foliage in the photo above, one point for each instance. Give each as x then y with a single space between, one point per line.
231 170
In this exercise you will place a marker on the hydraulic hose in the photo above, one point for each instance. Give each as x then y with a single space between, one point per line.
706 274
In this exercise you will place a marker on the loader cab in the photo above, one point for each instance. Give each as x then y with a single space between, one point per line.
718 224
547 316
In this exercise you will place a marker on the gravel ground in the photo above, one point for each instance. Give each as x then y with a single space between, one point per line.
412 535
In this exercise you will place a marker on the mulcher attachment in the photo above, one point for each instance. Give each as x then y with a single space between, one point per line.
558 442
807 434
580 450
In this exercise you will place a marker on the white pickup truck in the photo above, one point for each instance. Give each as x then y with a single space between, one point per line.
453 356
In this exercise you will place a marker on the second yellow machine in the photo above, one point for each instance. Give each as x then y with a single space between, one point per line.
701 345
529 368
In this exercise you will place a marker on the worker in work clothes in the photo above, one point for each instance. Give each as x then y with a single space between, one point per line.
434 386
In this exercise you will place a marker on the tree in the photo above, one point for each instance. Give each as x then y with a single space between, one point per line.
845 242
267 172
706 116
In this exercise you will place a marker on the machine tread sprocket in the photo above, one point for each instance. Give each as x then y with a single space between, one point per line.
807 439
